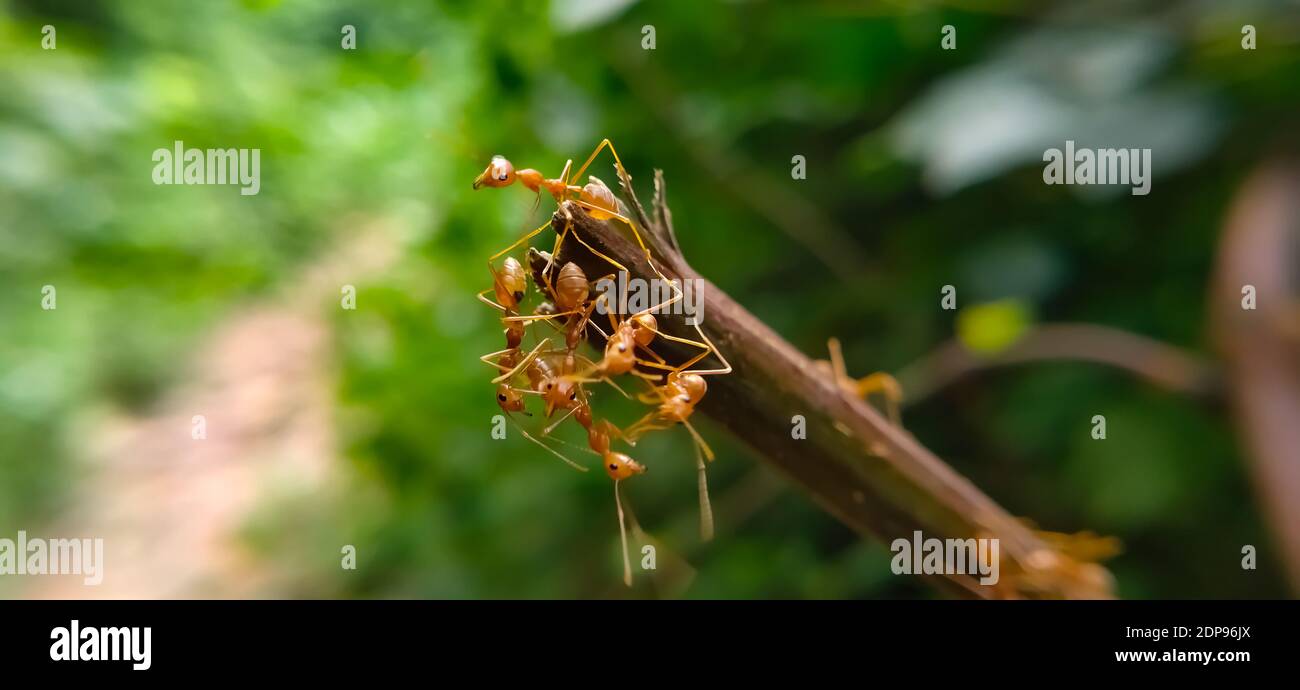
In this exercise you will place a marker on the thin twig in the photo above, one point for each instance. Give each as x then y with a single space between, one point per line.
1161 364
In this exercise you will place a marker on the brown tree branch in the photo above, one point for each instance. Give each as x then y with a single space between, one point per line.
1261 346
873 476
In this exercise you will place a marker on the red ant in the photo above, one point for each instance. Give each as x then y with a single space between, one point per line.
618 466
880 382
511 399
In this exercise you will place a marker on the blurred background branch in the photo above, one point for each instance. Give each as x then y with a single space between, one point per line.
1260 252
1162 365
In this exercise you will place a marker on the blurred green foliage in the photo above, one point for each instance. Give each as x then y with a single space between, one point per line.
926 161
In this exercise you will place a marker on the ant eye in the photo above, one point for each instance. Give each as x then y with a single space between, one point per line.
501 396
573 396
502 177
613 466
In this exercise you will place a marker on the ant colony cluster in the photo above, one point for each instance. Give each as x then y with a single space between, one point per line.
560 375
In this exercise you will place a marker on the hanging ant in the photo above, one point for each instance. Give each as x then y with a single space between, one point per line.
677 398
570 298
618 466
511 398
682 390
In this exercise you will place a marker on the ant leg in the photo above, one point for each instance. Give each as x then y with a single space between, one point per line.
595 251
699 440
610 381
650 422
606 143
707 345
518 242
652 365
551 258
556 453
622 532
636 431
593 367
523 364
654 397
547 431
600 213
541 317
482 297
706 508
595 305
583 449
710 348
726 366
887 386
837 361
489 360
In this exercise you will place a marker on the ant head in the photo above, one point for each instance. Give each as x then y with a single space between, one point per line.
559 393
509 399
621 466
620 353
643 328
499 173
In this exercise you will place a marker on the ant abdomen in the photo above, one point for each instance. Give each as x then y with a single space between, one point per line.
643 328
598 195
693 386
571 289
511 283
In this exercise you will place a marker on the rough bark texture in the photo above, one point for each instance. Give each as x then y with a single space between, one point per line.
873 476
